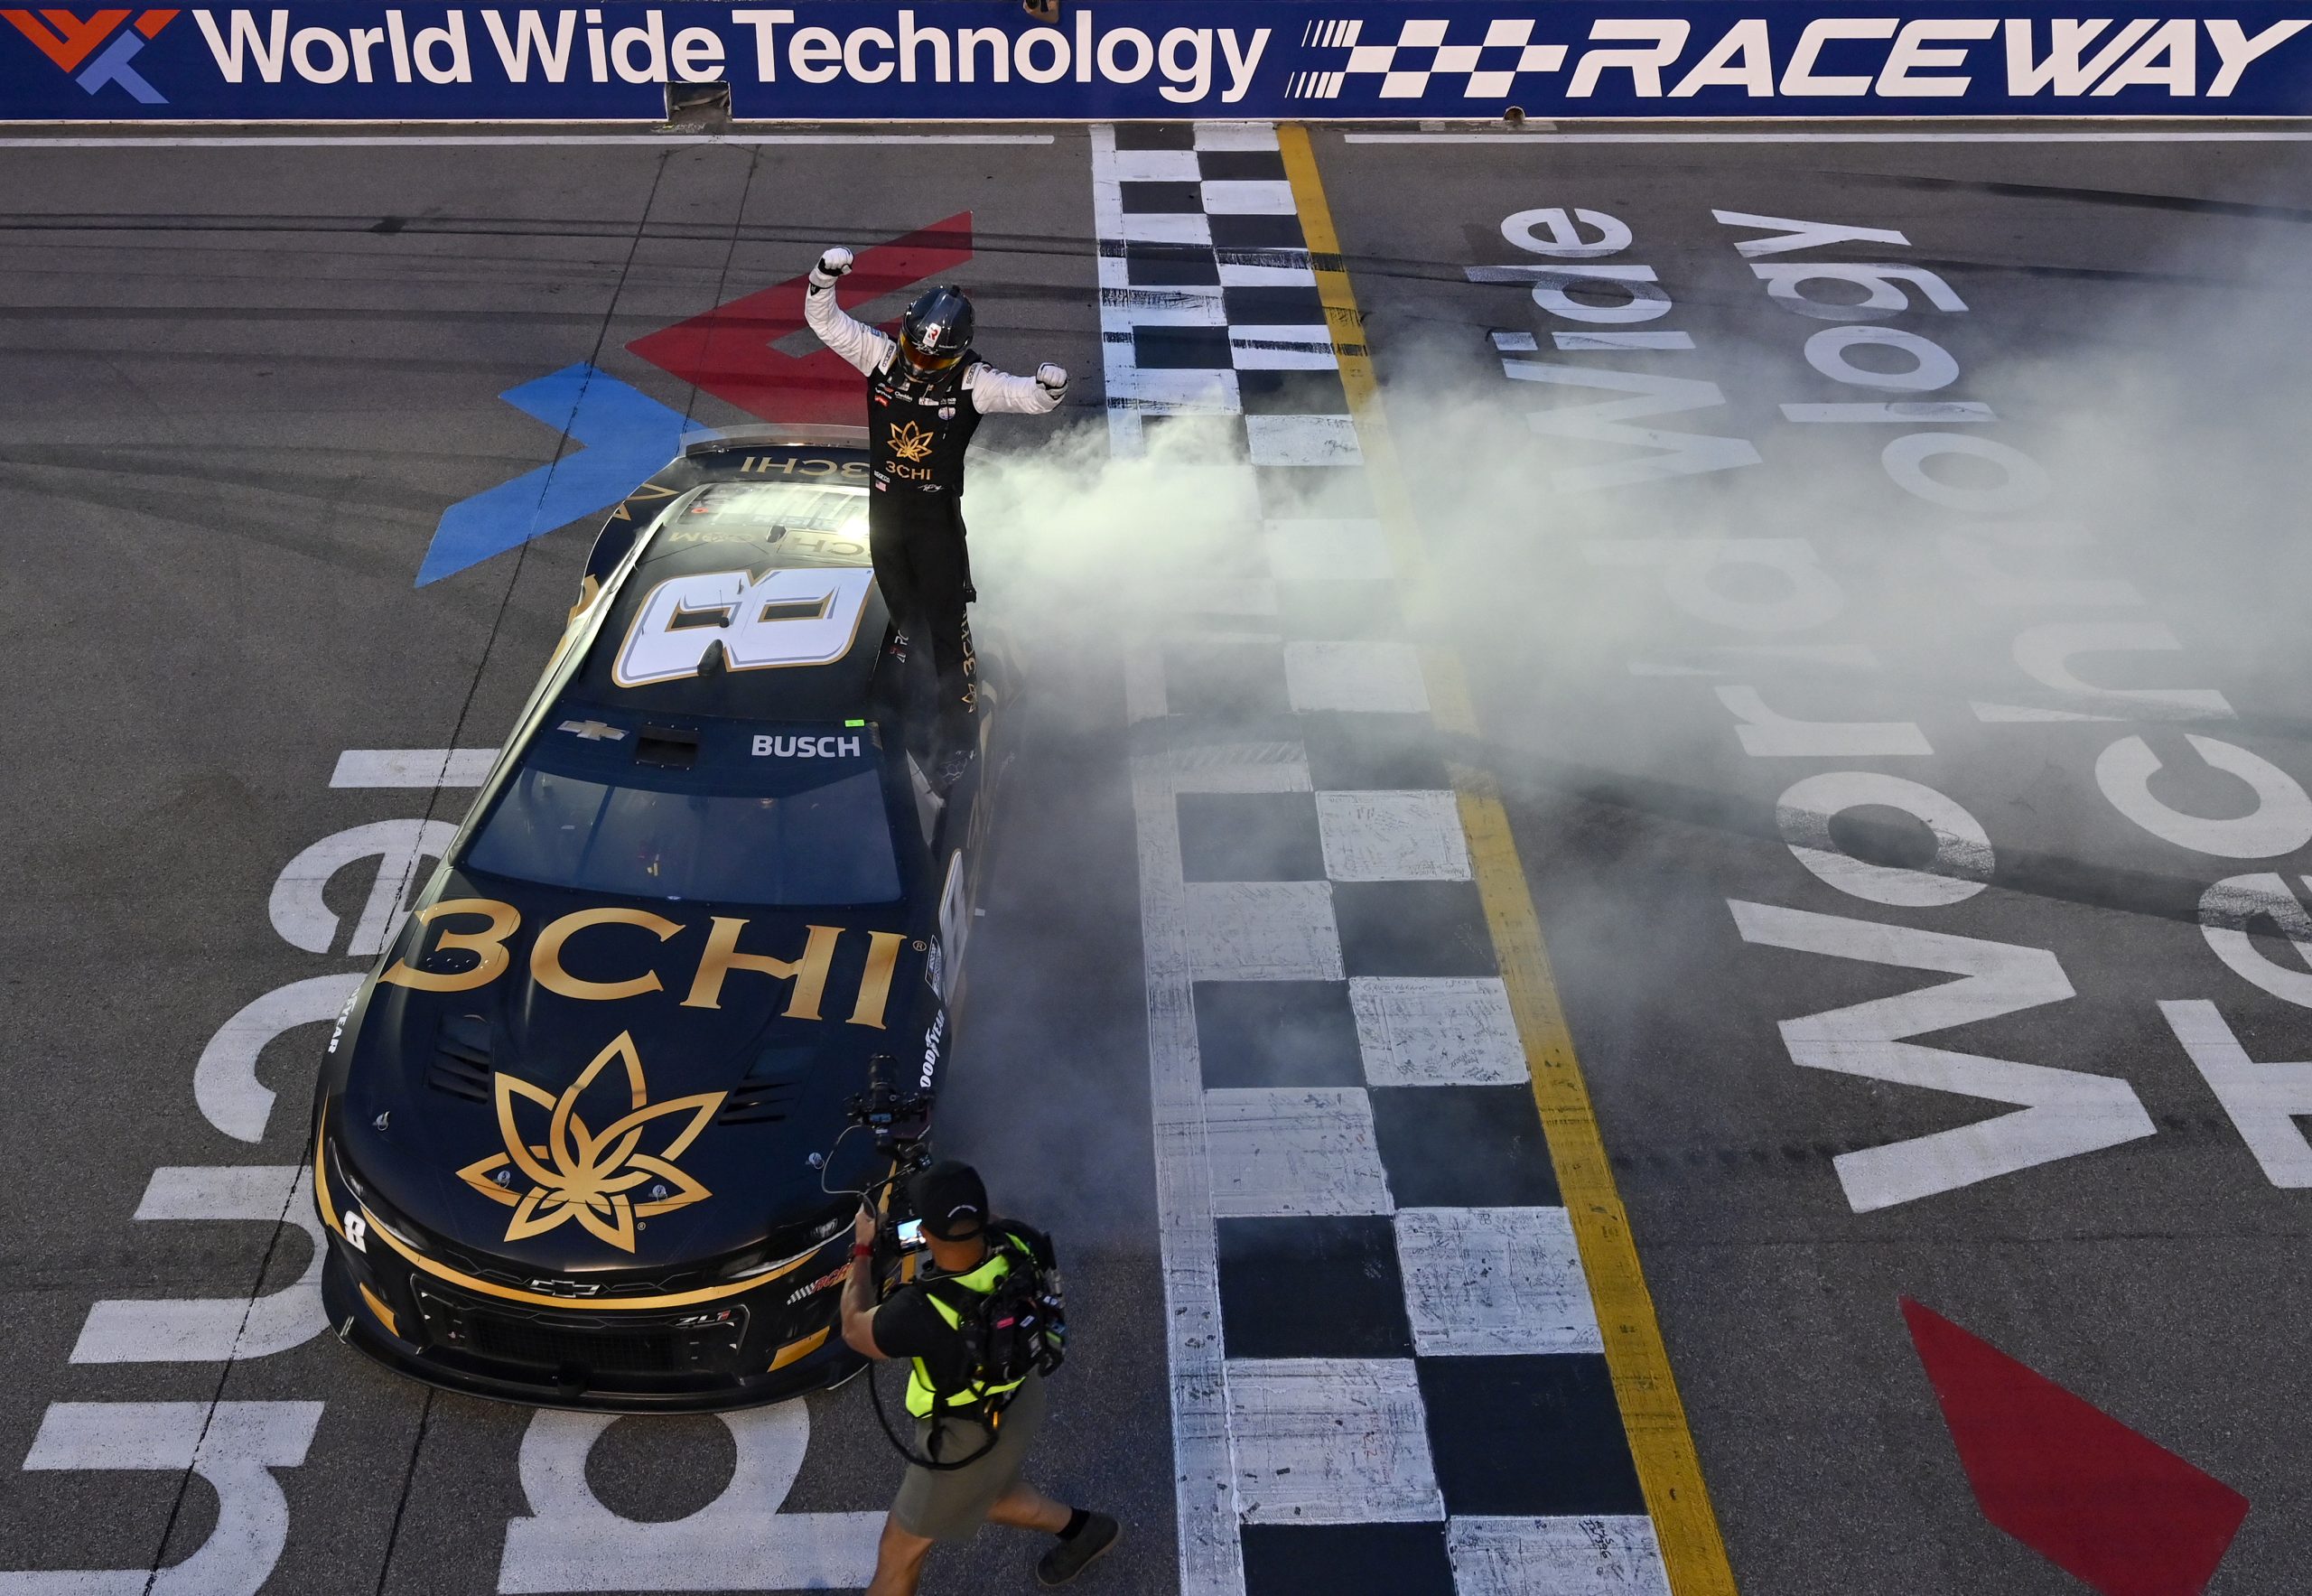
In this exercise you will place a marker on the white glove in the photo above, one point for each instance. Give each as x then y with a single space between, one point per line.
1052 377
834 264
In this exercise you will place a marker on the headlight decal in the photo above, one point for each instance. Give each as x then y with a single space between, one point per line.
321 1175
384 1314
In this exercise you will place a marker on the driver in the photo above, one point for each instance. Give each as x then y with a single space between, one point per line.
926 392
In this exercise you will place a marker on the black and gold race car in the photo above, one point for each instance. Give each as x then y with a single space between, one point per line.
580 1139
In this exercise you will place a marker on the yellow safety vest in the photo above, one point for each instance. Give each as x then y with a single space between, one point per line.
920 1397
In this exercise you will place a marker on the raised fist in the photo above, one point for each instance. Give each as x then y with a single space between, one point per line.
834 264
1054 377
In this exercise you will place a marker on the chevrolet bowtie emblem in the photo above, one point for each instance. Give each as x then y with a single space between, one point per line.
592 731
910 442
578 1173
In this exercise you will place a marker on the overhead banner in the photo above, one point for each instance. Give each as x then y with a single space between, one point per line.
967 60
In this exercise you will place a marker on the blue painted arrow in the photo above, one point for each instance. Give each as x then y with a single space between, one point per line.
626 435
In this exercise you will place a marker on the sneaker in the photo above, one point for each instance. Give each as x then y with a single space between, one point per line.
1064 1562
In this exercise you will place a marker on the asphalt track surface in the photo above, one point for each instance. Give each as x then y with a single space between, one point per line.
242 386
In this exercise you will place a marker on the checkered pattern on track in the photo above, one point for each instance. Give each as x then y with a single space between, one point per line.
1386 1370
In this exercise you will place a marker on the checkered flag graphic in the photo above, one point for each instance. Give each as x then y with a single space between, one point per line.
1420 54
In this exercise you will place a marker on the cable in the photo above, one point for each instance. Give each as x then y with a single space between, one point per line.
875 1400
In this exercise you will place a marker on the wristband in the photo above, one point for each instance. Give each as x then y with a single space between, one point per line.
862 1250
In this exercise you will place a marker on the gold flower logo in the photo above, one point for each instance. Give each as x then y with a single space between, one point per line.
910 442
578 1173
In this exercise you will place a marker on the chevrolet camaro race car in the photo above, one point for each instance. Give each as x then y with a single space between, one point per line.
581 1138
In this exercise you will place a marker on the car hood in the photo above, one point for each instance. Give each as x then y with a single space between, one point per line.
616 1096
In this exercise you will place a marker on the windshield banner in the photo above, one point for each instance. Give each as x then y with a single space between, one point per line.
963 60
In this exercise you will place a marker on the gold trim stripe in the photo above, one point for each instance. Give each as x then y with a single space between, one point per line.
795 1351
490 1288
1693 1551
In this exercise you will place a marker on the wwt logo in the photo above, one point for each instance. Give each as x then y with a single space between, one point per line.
66 41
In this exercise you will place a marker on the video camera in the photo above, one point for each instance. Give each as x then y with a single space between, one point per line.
898 1120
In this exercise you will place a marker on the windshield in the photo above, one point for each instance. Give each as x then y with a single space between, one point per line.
722 812
810 524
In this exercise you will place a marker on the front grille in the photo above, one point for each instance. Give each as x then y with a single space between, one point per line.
704 1342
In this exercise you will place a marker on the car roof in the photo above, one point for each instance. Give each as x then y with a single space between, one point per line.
733 553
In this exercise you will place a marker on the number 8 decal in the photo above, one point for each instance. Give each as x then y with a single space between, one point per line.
781 618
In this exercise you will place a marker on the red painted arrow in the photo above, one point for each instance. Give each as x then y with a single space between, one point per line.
2068 1480
728 352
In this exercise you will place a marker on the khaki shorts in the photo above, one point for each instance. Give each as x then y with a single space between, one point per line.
951 1504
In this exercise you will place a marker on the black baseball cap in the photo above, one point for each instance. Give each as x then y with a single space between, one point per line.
951 1200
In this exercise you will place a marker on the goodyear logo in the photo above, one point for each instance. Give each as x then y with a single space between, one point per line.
96 52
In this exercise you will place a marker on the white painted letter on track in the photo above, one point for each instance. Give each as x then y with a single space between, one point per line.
1931 365
1565 241
1882 284
303 917
1767 734
1688 566
740 1541
2279 824
2230 908
2064 1111
2045 653
2262 1099
1963 852
231 1445
225 1082
216 1330
1800 235
1674 454
1643 299
2022 480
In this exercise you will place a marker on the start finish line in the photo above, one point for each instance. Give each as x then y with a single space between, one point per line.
966 60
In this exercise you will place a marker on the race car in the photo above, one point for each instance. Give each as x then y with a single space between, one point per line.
583 1138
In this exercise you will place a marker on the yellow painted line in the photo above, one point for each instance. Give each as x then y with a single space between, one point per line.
1693 1553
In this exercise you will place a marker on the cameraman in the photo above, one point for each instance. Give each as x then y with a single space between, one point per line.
949 1504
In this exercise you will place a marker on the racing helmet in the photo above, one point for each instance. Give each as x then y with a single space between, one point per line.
936 330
